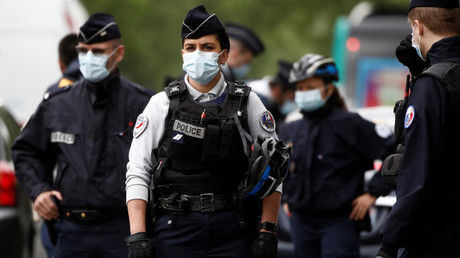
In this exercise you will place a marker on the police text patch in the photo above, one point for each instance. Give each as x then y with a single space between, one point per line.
188 129
140 125
267 122
409 118
66 138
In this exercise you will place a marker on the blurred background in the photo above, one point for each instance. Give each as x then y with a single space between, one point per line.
31 29
360 36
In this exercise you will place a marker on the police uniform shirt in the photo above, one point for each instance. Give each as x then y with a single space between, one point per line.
140 165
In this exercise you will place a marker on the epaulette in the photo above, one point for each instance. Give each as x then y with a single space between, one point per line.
55 91
238 89
64 82
144 90
175 87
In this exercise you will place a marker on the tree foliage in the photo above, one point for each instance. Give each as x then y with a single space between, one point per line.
289 29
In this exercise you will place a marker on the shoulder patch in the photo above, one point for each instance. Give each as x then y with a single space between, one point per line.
141 124
267 122
409 117
383 131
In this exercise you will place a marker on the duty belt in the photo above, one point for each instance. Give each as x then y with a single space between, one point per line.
90 215
205 202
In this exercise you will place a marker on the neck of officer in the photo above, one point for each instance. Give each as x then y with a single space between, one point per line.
205 88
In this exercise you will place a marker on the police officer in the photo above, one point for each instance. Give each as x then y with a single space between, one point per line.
86 128
68 61
332 148
188 138
68 64
424 220
244 46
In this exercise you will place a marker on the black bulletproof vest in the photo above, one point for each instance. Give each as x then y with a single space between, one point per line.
201 150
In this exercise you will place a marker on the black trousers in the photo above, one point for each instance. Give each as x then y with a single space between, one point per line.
196 234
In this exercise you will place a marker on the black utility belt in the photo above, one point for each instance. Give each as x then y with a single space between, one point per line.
205 202
90 215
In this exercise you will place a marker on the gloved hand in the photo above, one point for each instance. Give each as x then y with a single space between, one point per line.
387 251
408 56
265 246
139 246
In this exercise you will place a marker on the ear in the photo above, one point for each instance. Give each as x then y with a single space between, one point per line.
223 57
120 53
61 65
420 27
329 90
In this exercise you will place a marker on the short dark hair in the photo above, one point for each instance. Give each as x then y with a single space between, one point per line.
67 52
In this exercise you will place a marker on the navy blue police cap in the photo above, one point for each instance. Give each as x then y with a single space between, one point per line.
284 68
448 4
246 36
199 23
100 27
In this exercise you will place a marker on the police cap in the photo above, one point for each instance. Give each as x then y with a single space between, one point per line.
246 36
199 23
100 27
284 68
448 4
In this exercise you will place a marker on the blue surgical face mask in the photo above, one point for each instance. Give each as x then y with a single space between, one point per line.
309 100
241 71
93 67
202 67
288 107
417 47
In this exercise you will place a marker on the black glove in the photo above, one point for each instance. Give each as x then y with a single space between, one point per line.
265 246
387 251
408 56
139 246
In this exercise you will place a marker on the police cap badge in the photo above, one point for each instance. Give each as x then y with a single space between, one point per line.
100 27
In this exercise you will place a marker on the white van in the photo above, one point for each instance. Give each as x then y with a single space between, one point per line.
30 31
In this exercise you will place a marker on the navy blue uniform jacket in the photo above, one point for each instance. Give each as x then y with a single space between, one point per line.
428 175
330 154
87 130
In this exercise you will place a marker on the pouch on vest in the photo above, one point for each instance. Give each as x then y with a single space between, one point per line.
390 168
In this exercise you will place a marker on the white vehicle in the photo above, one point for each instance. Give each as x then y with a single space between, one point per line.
30 31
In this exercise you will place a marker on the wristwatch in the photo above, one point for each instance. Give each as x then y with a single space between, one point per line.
269 226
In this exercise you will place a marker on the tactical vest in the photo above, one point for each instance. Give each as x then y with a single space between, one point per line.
449 74
202 151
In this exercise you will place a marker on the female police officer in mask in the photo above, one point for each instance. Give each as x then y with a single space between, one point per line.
187 139
323 193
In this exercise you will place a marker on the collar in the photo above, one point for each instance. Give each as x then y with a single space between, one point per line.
215 92
446 49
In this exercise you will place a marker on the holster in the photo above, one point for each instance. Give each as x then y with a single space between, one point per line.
50 223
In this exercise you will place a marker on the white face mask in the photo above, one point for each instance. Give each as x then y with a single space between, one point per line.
202 67
93 67
417 47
